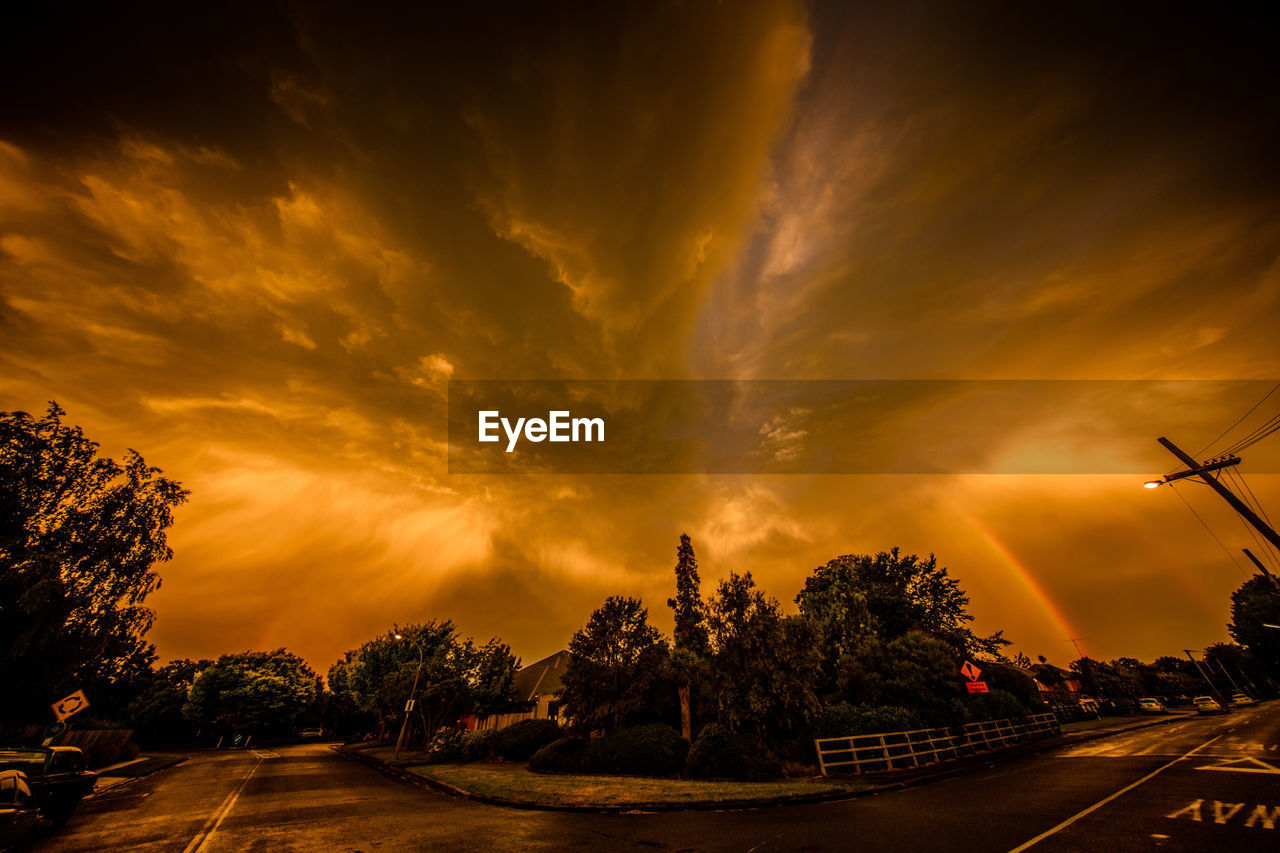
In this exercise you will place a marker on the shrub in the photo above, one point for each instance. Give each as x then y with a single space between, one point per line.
520 741
996 705
844 719
560 756
446 745
721 753
650 750
478 745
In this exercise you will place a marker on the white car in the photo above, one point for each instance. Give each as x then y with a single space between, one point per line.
1242 700
1208 705
1152 706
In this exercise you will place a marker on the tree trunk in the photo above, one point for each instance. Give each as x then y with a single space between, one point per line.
686 723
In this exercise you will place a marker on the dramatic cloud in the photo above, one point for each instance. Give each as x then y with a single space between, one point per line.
257 248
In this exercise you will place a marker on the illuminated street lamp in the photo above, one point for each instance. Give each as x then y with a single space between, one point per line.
408 705
1153 484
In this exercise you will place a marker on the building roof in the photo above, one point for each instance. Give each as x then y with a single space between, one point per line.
543 678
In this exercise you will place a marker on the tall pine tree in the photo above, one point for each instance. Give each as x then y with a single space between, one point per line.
691 616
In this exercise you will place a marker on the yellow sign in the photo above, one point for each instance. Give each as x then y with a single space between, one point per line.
73 704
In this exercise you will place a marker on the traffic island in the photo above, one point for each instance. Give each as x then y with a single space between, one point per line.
517 785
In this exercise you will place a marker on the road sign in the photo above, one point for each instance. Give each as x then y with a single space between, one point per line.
73 704
1242 765
970 671
977 687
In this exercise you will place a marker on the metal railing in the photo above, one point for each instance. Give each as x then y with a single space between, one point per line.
923 747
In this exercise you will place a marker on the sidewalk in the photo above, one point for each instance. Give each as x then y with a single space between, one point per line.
127 771
514 785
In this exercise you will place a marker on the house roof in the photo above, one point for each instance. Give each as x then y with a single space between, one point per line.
543 678
1047 672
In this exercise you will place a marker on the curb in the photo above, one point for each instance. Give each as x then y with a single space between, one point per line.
125 780
989 760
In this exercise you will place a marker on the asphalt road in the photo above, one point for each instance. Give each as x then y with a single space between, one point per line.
1197 784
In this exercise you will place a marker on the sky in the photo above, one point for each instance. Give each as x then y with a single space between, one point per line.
256 242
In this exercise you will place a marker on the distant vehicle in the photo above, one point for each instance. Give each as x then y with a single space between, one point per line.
18 810
1208 705
1152 706
1242 700
311 733
57 776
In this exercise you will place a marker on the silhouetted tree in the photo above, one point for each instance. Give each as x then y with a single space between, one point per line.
156 714
889 595
252 691
690 640
690 612
457 678
1253 606
615 666
763 666
80 537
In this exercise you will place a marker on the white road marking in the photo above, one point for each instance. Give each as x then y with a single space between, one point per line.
1093 808
1248 764
215 820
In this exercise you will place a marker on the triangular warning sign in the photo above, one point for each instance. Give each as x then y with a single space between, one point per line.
1242 765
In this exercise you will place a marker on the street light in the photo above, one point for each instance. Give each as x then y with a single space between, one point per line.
1269 625
1153 484
408 705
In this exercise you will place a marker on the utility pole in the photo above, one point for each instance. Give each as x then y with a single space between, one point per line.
1222 667
1207 680
1262 568
1202 471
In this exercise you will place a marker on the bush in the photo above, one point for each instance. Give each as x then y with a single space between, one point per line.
721 753
650 750
844 719
521 741
446 745
560 756
478 745
996 705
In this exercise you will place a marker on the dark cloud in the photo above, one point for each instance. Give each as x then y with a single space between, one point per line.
256 241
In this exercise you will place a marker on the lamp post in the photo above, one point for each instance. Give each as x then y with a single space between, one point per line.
408 705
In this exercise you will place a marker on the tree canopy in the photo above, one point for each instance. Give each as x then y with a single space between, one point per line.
763 664
888 595
457 676
615 667
80 536
252 691
1253 606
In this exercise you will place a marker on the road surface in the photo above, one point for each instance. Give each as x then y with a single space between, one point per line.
1197 784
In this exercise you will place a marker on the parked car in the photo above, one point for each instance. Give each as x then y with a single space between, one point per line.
56 775
1242 700
1152 706
311 733
1208 705
18 810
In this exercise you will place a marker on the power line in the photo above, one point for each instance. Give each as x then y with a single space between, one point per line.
1238 421
1225 550
1269 550
1256 435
